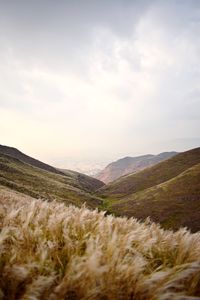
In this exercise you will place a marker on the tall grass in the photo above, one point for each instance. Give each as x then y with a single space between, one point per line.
50 251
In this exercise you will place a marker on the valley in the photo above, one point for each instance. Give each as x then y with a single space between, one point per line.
167 192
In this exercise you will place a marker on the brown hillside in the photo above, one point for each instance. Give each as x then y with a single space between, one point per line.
27 159
152 176
86 182
39 183
174 203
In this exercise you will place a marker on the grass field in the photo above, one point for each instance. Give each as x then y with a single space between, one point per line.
50 251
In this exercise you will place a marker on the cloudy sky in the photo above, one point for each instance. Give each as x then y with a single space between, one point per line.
89 81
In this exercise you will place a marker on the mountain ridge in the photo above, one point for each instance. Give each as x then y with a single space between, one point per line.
128 165
31 180
89 183
14 152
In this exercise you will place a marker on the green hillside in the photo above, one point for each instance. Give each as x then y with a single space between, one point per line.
39 183
152 176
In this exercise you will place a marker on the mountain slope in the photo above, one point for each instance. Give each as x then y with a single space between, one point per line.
86 182
27 159
128 165
174 203
39 183
152 176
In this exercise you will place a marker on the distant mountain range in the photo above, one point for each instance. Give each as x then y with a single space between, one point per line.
128 165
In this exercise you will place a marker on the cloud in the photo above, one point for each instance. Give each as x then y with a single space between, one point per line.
95 80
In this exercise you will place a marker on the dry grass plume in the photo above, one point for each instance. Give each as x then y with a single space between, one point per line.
50 251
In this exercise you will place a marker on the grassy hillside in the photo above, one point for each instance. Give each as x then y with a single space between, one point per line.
39 183
174 203
13 152
86 182
50 251
152 176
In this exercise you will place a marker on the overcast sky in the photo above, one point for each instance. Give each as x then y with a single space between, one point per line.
90 81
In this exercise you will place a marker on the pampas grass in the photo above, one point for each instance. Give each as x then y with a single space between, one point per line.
50 251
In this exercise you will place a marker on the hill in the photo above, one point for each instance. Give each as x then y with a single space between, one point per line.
86 182
13 152
174 203
128 165
168 192
152 176
39 183
50 251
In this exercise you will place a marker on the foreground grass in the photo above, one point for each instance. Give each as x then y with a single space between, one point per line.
50 251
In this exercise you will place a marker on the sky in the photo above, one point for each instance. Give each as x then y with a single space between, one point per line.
85 82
